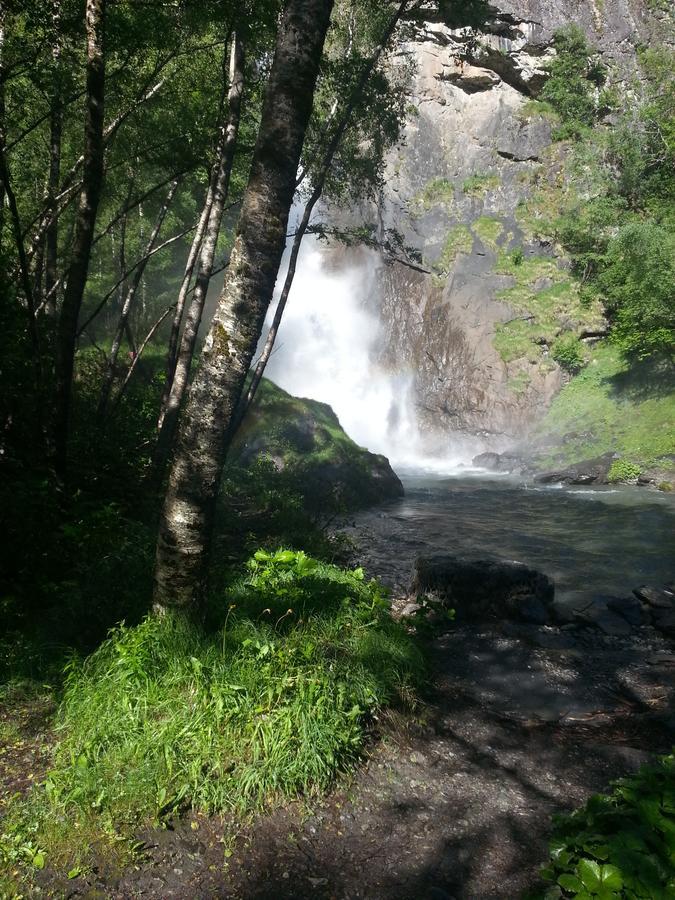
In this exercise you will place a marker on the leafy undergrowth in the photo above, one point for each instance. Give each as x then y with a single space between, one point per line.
620 845
273 703
613 406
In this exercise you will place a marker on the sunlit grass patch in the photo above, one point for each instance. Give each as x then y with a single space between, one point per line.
276 702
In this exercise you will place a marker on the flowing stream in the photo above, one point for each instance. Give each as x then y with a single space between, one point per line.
592 542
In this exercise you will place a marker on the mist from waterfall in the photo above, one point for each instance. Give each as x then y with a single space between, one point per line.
327 349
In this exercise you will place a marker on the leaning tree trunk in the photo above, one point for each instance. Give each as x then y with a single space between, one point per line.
84 231
194 478
227 145
319 183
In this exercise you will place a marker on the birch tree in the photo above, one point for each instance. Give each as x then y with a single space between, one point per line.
190 501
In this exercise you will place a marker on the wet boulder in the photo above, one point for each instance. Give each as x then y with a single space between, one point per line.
589 471
483 589
499 462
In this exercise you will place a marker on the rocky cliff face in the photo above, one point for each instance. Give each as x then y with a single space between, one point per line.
460 189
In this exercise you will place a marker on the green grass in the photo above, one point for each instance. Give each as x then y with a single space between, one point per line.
519 383
488 230
609 406
437 192
533 109
273 703
458 240
545 292
479 184
518 339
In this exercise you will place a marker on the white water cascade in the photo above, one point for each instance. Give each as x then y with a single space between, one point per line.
326 349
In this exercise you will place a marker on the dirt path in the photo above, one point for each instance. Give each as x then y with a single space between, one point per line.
522 725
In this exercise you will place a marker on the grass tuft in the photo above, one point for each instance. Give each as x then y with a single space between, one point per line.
274 703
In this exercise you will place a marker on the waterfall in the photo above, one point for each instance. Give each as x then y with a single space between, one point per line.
327 349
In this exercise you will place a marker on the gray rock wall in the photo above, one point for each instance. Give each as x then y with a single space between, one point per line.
475 146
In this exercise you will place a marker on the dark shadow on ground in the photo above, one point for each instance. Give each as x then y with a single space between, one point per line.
644 379
454 805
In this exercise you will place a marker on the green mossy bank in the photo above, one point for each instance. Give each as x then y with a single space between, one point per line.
305 439
613 406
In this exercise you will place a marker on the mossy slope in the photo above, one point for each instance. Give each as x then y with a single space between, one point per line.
305 436
611 406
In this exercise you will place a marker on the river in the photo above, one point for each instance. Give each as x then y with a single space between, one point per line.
592 542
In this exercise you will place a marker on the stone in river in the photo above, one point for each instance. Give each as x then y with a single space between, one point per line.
657 597
484 588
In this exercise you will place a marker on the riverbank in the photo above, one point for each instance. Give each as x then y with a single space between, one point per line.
452 805
519 722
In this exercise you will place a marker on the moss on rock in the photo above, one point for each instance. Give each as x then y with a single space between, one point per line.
305 436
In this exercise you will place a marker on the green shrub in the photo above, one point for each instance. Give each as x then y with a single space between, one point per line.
568 352
570 90
274 702
623 470
620 845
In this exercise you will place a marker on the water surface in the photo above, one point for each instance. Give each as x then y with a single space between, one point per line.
593 542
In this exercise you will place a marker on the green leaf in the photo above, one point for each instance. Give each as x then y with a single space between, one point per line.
285 556
600 851
588 871
75 872
570 883
611 878
39 860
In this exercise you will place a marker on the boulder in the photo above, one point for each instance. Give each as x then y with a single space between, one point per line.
304 439
589 471
499 462
480 589
664 620
630 609
487 460
659 598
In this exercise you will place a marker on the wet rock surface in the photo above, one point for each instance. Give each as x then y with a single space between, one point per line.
589 471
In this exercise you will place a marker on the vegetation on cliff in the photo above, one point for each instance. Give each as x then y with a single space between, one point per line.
610 212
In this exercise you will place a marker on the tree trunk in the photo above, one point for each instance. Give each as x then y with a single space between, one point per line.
84 230
227 145
132 290
3 139
189 506
55 133
315 196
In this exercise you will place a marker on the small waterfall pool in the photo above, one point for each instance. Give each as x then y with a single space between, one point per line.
592 542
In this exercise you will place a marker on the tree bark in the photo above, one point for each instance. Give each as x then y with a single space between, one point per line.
181 368
54 177
84 231
3 138
132 290
314 198
189 506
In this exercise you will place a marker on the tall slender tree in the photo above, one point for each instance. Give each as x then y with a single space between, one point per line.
189 506
221 184
84 230
339 130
